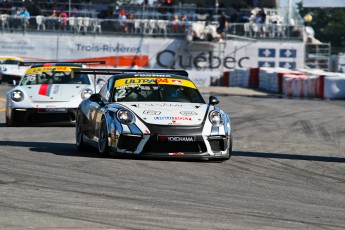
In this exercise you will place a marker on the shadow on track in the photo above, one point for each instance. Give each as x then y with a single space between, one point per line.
289 156
67 149
63 149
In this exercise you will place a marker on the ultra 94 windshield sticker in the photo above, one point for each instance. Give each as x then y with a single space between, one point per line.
153 81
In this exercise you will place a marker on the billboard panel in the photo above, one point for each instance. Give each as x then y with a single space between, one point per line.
323 3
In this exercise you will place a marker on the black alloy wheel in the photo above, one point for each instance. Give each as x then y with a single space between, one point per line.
79 133
103 147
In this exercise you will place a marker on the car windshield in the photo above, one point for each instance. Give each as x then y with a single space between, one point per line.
179 91
54 77
10 62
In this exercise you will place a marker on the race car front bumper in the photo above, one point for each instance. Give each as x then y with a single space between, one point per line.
9 78
164 141
42 115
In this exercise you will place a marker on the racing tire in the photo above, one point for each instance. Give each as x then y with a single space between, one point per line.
103 148
79 139
9 123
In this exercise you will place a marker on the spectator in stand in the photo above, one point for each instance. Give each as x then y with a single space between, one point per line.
223 25
130 22
52 20
260 16
185 19
123 21
184 23
263 15
63 20
261 19
175 24
15 20
25 16
17 13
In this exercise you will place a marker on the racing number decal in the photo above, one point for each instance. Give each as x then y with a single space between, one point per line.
121 93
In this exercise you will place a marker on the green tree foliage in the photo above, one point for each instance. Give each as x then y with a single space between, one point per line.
328 24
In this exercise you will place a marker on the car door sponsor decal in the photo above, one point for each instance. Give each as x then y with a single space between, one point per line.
45 89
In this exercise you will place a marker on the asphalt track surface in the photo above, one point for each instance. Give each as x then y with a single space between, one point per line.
287 172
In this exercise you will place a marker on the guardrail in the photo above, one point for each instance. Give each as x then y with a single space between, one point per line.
149 27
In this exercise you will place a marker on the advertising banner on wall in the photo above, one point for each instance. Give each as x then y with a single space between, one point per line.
161 53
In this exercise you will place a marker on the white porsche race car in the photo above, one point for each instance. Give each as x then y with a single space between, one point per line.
11 70
156 113
48 93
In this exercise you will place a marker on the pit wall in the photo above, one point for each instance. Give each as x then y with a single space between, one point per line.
292 84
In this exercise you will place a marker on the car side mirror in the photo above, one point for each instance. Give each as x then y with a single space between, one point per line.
213 100
96 98
100 81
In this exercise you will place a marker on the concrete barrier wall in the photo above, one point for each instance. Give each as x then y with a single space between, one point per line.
301 84
334 87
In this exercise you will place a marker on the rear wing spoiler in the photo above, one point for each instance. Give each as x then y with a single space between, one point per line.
121 71
29 63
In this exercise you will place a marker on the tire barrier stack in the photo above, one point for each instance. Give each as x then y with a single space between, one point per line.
303 83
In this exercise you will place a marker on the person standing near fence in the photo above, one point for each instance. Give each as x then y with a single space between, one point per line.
223 24
25 16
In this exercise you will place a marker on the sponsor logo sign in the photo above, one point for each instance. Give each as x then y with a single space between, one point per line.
162 105
266 64
173 118
152 112
288 53
288 65
52 110
188 113
176 138
267 53
177 82
178 154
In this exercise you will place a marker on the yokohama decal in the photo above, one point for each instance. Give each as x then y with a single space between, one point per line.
45 89
176 138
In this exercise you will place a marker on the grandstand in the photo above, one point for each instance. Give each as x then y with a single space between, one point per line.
154 19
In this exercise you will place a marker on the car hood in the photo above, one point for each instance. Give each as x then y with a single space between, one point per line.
53 92
169 113
13 70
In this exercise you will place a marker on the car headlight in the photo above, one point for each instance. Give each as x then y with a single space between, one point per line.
17 95
216 118
86 93
125 116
